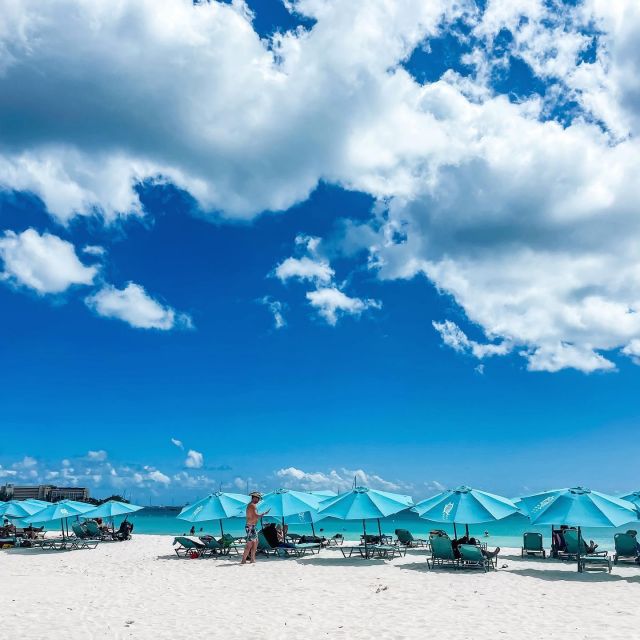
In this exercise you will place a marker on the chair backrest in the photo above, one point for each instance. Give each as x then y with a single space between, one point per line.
187 543
404 535
263 543
92 527
441 548
626 544
78 530
470 552
213 544
227 540
571 540
532 541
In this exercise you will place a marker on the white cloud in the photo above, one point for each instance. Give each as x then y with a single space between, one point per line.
98 456
93 250
194 459
332 303
455 338
26 463
177 443
335 480
159 477
134 305
241 125
45 263
305 268
276 308
7 473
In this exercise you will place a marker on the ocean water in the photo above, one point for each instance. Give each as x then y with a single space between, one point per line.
504 533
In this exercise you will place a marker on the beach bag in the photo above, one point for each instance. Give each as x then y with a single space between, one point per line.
193 554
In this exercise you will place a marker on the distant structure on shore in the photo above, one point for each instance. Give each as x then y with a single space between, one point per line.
47 492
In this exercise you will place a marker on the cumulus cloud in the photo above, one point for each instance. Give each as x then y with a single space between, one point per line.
44 263
100 455
327 298
134 306
331 303
194 459
335 480
177 443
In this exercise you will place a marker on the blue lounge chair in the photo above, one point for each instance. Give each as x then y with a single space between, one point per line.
532 544
406 539
594 560
626 547
471 556
188 545
442 552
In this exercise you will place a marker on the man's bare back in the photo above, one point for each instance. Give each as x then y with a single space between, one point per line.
252 514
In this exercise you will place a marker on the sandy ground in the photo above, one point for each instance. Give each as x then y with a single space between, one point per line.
140 589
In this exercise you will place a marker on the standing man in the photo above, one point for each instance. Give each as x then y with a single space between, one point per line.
250 528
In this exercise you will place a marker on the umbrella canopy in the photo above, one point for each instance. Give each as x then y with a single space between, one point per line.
55 511
323 494
465 506
634 498
19 509
578 507
110 509
362 503
285 502
216 506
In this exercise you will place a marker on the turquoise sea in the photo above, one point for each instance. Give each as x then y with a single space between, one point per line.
505 533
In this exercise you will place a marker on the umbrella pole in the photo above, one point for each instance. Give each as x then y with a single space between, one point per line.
466 528
313 529
221 529
455 532
379 531
579 548
364 528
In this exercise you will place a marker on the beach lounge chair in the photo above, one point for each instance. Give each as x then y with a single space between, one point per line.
626 547
407 540
442 552
595 560
336 540
80 531
297 550
532 544
188 545
229 544
96 532
471 556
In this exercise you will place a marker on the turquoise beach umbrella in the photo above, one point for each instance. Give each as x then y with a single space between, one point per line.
216 506
465 506
633 497
362 503
61 511
323 494
578 507
19 509
284 503
110 509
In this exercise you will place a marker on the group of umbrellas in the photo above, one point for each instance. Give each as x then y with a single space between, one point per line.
575 507
31 511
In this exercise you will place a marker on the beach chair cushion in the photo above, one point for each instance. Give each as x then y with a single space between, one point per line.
626 546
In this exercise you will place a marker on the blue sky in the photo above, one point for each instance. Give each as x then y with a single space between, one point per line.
416 271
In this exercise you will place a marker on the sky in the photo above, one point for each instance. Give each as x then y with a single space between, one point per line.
246 245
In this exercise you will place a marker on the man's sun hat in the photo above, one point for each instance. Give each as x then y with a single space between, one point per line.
255 494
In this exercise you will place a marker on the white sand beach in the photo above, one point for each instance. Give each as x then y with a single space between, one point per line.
140 589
